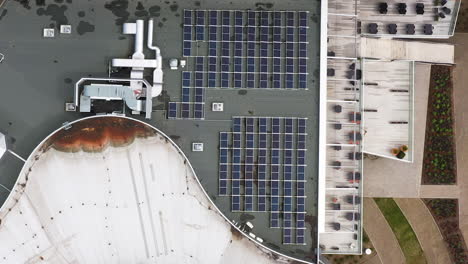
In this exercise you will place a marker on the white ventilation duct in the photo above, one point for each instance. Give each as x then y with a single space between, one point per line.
157 73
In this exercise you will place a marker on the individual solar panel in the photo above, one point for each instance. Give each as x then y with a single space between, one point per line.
275 122
238 15
199 94
287 238
287 176
302 19
185 110
249 141
226 18
275 157
289 50
302 34
187 49
287 207
199 63
185 94
237 80
261 203
301 157
274 173
263 65
264 50
172 113
302 50
223 140
248 203
187 33
289 34
236 124
223 156
225 49
302 65
301 125
238 33
288 156
301 141
262 125
276 19
262 140
223 179
250 80
302 81
213 18
300 173
288 143
263 80
300 236
200 17
224 80
300 202
250 18
250 34
225 33
236 154
276 50
237 64
274 220
262 156
213 34
289 80
199 33
300 188
290 19
276 80
264 19
277 34
187 17
249 125
235 206
212 49
264 33
288 125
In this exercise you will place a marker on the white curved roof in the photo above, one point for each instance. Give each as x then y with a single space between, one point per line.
135 204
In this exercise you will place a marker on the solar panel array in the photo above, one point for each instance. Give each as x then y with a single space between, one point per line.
249 49
241 49
262 168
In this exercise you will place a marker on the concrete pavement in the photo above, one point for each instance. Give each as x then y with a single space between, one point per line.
460 96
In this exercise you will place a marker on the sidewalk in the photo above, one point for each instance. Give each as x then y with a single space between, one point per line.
460 96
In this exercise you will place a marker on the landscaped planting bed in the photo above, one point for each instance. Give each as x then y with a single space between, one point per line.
439 165
445 212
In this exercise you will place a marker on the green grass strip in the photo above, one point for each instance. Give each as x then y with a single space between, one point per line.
402 229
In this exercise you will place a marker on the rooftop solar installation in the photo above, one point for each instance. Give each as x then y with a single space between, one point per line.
241 50
270 47
262 168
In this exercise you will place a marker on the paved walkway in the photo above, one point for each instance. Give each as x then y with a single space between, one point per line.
460 95
381 235
426 230
439 191
392 178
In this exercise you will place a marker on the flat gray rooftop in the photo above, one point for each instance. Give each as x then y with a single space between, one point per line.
38 74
